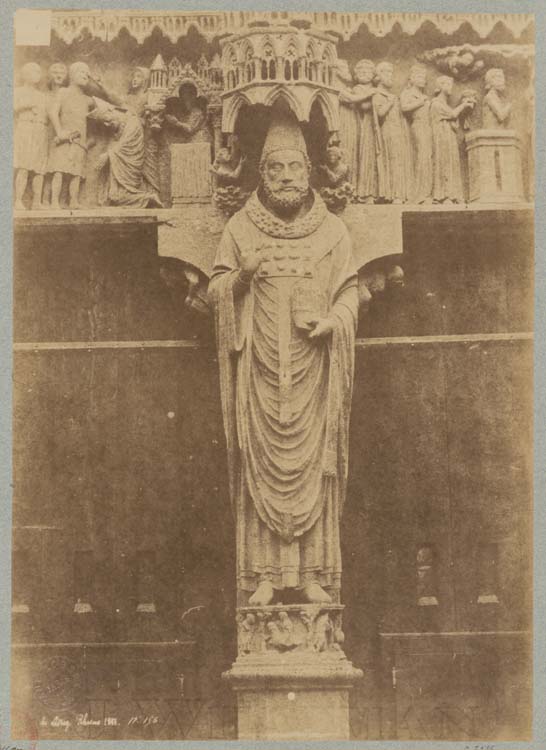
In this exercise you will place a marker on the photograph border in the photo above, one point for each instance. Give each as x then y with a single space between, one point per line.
538 8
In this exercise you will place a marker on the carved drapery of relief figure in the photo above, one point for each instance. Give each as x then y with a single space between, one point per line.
30 136
447 183
415 105
393 160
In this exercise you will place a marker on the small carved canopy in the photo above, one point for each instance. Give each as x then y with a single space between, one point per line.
282 64
281 53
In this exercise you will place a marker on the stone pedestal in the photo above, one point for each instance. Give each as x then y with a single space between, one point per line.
494 166
291 676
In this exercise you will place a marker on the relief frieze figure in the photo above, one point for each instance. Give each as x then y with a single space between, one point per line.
30 136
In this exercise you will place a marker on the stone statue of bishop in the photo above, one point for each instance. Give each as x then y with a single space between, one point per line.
284 290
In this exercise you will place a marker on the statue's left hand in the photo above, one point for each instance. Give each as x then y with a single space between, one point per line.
322 327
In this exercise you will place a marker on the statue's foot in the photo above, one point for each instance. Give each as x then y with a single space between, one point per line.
19 206
38 206
316 594
263 595
74 206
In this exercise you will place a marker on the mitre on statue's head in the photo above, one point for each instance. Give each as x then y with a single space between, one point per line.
284 133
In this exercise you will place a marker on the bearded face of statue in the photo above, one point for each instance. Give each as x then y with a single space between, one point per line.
285 179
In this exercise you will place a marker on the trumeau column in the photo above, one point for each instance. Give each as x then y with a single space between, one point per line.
290 286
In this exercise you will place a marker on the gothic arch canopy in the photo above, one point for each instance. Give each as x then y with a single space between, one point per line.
299 97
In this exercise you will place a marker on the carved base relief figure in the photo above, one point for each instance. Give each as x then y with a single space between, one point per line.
337 191
284 289
68 153
393 160
124 183
227 170
415 104
448 184
30 136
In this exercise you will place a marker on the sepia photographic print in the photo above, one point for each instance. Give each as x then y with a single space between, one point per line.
272 375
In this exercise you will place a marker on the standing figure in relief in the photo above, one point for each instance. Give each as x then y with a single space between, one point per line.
348 119
137 101
284 290
447 180
68 154
415 105
393 158
57 78
30 137
495 109
361 99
